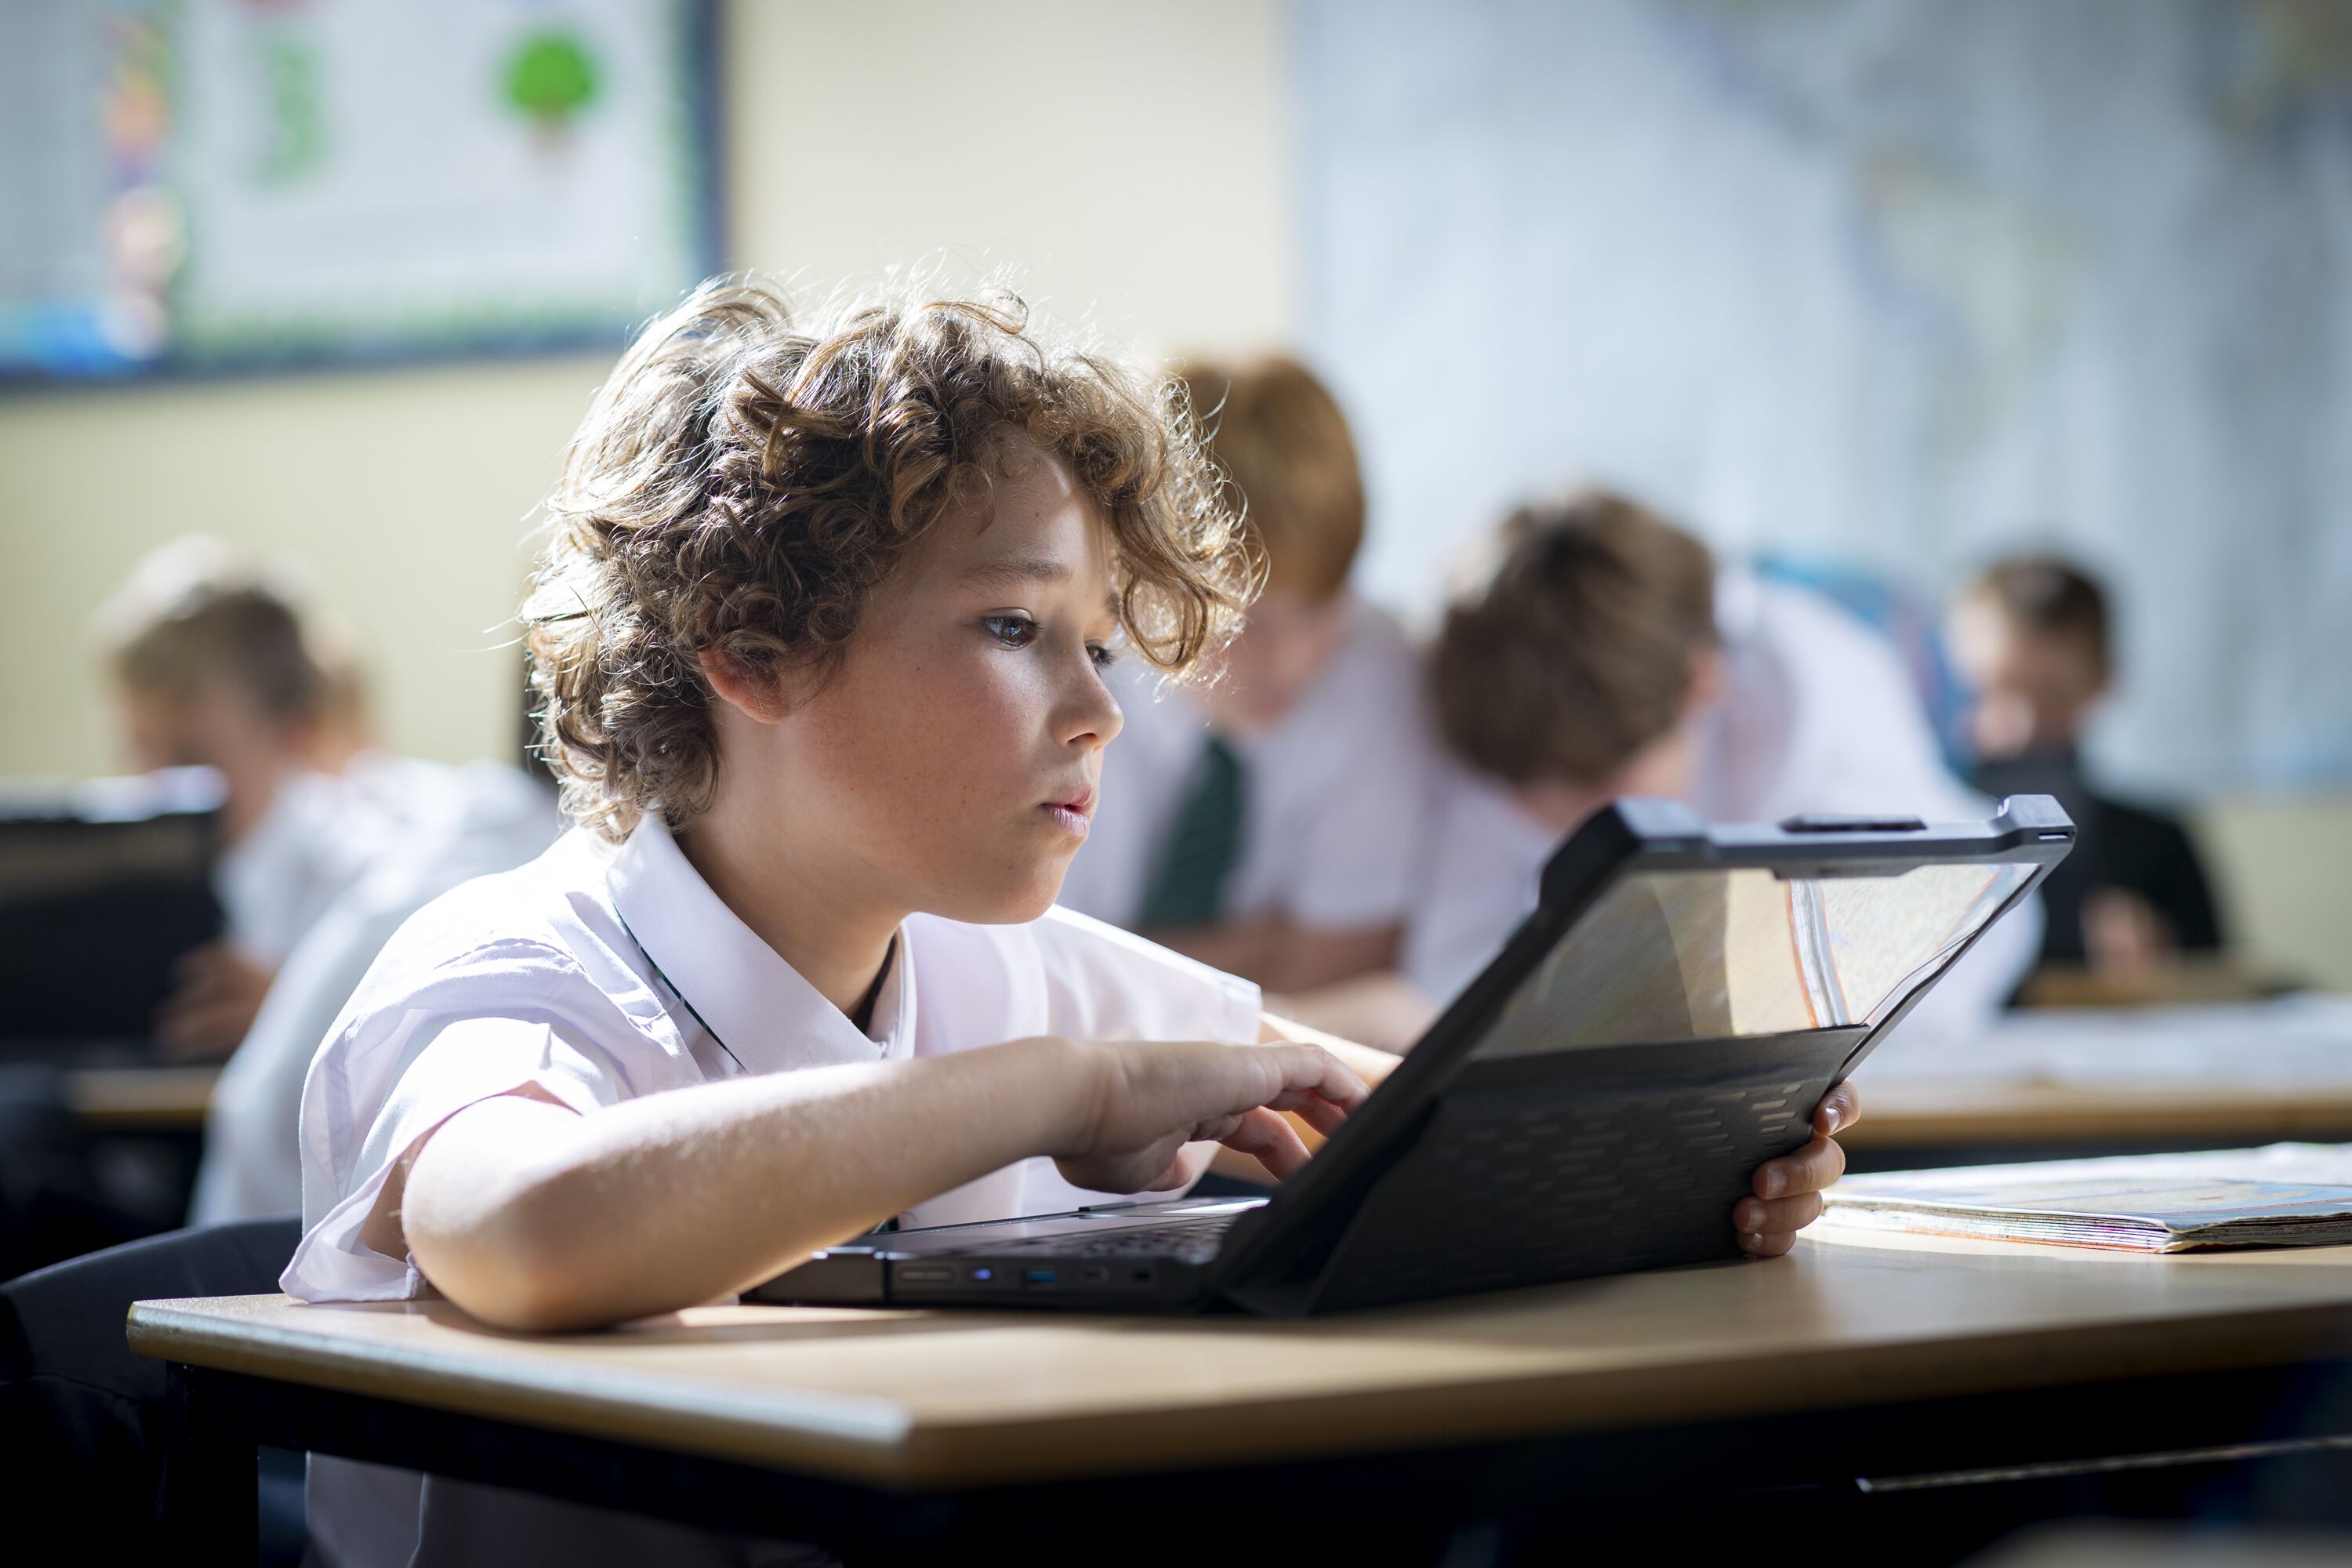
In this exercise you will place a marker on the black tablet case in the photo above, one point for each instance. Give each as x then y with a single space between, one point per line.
1464 1174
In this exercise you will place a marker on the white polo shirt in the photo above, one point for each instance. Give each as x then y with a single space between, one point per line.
1817 716
1338 790
601 973
289 867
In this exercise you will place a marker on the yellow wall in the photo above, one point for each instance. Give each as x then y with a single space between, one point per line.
1129 161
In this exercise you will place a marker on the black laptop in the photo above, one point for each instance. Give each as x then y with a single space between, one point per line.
103 886
1596 1101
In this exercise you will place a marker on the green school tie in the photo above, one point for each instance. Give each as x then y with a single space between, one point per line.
1188 887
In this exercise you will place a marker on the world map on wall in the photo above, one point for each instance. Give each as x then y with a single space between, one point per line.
1885 282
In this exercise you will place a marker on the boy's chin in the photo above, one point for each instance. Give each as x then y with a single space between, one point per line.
1016 904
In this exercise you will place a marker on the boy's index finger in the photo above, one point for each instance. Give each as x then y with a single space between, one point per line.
1336 1081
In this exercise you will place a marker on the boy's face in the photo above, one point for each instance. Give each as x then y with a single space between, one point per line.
215 725
949 764
2033 692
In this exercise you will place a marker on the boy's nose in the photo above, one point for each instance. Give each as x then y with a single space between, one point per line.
1096 718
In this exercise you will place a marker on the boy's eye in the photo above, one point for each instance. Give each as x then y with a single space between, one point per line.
1013 631
1102 654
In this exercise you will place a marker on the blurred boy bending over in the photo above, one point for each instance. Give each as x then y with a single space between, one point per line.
1603 653
1270 822
2030 636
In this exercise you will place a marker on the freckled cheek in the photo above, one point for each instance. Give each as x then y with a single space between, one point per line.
969 745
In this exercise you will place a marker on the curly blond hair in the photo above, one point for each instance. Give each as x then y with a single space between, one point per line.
747 476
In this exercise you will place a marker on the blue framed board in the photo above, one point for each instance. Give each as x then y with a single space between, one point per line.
200 185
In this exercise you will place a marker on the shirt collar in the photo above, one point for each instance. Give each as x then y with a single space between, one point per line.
761 1008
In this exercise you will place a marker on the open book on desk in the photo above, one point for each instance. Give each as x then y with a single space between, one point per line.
2289 1195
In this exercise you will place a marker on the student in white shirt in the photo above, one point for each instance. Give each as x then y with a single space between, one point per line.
820 631
1269 818
213 665
418 829
330 842
1604 654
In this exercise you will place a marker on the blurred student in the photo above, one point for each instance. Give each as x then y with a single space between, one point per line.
1606 653
415 829
213 665
2032 637
329 841
1269 821
210 664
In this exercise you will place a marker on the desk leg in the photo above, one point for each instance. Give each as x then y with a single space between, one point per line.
211 1481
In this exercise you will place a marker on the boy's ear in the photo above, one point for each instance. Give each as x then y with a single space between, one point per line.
756 693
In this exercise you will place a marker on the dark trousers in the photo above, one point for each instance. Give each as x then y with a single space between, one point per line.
84 1422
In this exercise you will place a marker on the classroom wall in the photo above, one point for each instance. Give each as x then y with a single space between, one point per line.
1128 161
2280 867
1892 282
1153 197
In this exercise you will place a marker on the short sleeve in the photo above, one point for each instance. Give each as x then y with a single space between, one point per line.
1105 984
348 1152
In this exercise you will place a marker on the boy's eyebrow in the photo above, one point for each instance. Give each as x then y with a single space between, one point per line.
1016 570
1019 569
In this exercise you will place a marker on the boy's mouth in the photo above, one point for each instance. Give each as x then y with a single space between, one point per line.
1073 813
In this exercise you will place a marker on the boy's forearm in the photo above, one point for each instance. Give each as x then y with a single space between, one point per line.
1381 1009
1242 947
1282 955
676 1198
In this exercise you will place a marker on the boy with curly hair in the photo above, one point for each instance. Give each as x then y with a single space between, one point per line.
820 631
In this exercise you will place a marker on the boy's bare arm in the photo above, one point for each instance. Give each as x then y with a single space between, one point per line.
1371 1065
531 1217
1280 955
1383 1009
1242 947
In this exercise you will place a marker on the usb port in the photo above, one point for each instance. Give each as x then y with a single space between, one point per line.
1039 1278
925 1273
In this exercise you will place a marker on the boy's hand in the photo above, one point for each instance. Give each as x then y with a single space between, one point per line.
216 993
1789 1189
1151 1098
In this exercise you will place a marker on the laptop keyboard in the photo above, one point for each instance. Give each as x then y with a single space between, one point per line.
1188 1241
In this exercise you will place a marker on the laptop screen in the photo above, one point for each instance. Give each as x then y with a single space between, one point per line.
1723 953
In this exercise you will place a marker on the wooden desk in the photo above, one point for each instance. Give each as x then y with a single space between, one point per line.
827 1423
142 1100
